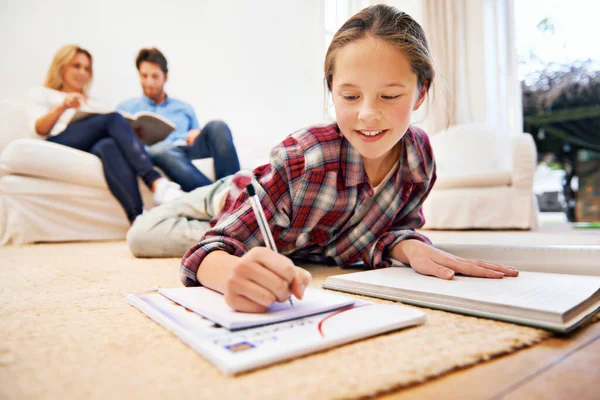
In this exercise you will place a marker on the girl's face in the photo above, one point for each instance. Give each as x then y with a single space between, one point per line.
77 73
375 93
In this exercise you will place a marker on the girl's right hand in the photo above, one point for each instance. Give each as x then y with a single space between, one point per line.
261 277
73 100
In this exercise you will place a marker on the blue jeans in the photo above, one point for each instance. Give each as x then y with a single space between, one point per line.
215 141
122 154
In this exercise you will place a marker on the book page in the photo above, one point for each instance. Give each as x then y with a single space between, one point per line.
559 259
212 305
86 112
152 128
554 293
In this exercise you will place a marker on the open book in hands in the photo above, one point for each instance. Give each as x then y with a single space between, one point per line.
150 127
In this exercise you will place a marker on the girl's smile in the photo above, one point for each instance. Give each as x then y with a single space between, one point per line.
371 135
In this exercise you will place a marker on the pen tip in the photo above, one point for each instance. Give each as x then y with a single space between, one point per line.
250 190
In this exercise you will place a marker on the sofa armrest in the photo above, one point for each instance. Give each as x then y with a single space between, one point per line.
42 159
524 159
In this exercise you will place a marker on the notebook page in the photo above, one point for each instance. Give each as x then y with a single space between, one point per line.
212 305
555 293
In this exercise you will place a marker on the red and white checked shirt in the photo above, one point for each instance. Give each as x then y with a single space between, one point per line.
320 205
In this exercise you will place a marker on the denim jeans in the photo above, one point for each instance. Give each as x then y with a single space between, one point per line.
215 141
123 156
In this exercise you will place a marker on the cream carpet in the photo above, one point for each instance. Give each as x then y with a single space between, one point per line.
66 332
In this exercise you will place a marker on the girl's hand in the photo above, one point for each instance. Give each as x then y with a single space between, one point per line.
261 277
73 100
428 260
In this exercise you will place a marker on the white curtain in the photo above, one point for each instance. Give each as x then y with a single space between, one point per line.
473 45
445 24
504 107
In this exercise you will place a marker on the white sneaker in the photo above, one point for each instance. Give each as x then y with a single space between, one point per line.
166 191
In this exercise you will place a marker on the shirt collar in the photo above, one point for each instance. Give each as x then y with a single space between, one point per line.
353 169
412 167
151 102
413 161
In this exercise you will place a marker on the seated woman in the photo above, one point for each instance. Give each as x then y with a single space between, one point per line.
107 136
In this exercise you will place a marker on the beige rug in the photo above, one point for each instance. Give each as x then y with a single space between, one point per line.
66 332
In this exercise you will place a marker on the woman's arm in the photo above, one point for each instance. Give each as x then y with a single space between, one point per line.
44 124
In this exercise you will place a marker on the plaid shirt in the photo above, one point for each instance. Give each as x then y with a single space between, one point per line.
318 200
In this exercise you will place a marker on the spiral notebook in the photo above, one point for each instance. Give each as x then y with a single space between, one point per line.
233 352
212 305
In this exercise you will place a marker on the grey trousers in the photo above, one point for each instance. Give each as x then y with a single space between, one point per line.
171 229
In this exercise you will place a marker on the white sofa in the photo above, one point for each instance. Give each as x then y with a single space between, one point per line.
485 180
52 193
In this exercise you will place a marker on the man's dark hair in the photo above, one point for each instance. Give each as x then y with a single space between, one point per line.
152 55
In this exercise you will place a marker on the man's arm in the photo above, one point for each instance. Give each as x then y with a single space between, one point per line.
193 128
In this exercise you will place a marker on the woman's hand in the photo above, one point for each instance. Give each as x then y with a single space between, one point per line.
73 100
428 260
261 277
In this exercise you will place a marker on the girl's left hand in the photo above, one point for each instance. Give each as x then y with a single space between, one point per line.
428 260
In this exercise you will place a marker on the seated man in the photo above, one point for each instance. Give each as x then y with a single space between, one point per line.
174 154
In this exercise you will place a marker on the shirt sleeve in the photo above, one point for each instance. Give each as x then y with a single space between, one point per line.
236 230
193 120
37 106
125 106
403 228
404 225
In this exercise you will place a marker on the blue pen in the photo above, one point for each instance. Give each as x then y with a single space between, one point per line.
262 221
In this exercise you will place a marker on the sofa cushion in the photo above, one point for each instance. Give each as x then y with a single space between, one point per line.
474 147
13 122
473 180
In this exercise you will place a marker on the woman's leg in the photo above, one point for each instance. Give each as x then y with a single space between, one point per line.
84 134
119 176
172 228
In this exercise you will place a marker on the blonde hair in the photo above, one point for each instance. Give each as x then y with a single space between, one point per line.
389 24
64 55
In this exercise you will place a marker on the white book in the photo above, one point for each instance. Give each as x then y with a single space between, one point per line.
559 259
558 302
212 305
150 127
233 352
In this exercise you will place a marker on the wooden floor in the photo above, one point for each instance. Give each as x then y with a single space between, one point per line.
562 367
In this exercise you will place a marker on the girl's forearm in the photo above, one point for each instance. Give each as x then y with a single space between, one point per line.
402 250
215 269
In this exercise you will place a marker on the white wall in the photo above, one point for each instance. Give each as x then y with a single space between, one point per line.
257 65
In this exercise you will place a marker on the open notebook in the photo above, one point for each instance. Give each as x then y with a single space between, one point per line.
557 302
212 305
233 352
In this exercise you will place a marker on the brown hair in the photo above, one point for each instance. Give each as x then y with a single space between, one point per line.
396 27
152 55
64 55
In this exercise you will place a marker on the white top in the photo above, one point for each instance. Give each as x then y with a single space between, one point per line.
377 189
42 100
